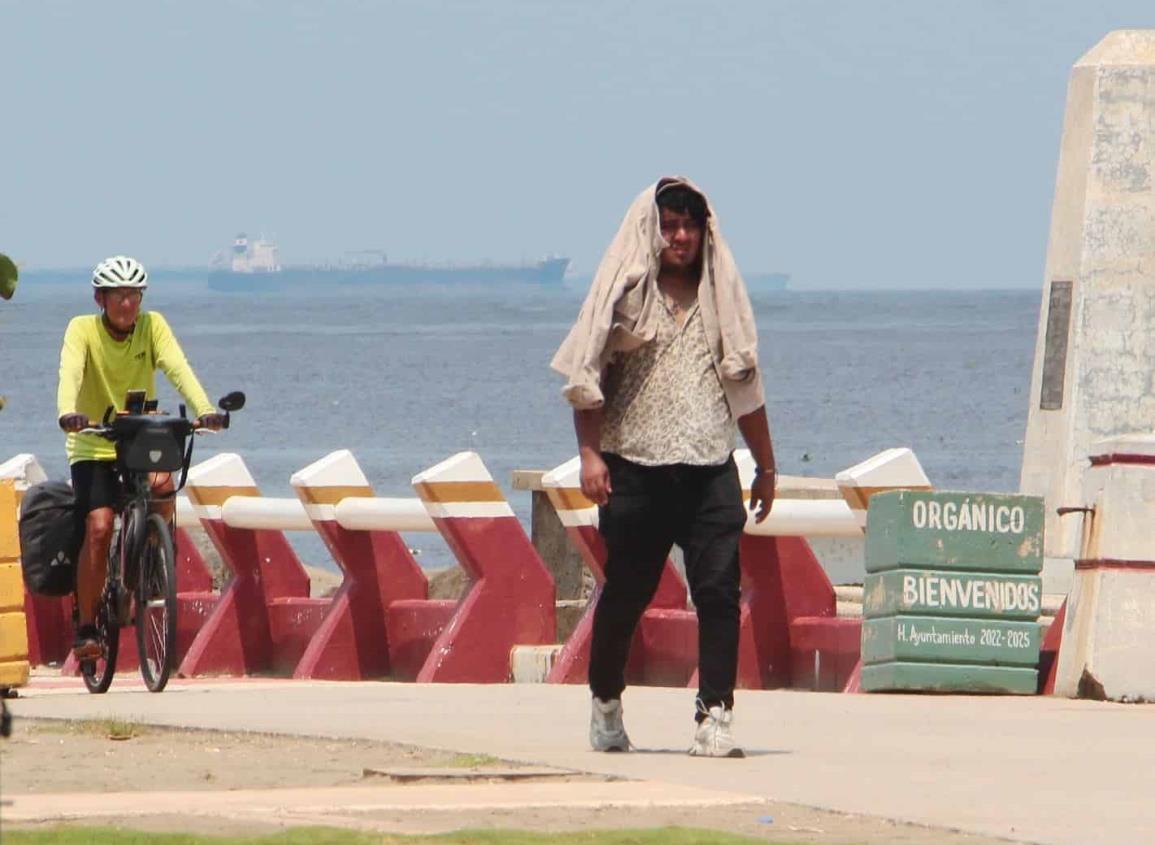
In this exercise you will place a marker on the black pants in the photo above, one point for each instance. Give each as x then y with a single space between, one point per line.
650 509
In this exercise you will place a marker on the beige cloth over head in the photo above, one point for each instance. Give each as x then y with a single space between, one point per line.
619 311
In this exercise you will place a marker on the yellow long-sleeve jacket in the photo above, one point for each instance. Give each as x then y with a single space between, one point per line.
96 371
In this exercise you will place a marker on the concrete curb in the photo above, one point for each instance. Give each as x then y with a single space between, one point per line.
286 804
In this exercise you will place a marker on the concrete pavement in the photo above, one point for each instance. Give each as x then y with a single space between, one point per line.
1029 769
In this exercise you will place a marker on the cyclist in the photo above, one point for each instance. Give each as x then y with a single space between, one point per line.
102 358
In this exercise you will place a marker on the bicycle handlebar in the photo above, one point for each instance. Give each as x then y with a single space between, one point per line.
110 432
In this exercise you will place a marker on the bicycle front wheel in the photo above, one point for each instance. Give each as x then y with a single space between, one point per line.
156 604
98 673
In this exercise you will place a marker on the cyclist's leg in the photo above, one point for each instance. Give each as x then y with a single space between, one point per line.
162 485
97 487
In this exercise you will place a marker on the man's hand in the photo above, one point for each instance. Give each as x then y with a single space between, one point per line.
762 491
73 422
595 478
755 430
213 422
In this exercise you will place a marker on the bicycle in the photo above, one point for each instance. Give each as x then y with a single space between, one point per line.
142 554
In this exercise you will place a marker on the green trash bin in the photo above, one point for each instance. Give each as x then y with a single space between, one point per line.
952 593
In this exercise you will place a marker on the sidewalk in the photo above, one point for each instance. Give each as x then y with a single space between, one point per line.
1028 769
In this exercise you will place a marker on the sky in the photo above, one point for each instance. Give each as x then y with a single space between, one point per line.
853 144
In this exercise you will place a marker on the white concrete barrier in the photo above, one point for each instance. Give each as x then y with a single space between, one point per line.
892 469
24 469
362 514
383 514
805 518
356 511
795 513
788 517
186 516
356 640
265 512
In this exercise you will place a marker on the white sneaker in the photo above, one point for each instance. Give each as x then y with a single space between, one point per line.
713 737
607 732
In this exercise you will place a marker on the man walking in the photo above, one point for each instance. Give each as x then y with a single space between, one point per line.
662 371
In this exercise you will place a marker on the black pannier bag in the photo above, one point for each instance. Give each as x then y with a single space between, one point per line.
151 447
50 538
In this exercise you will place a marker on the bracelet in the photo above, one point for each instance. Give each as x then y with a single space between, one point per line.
759 471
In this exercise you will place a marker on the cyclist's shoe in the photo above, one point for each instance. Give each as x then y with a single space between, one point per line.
86 646
607 732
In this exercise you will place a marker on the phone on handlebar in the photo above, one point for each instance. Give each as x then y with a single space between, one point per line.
134 401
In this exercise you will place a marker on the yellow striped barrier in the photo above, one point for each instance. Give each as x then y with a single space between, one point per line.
13 625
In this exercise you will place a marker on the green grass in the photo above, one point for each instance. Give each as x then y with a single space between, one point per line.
475 761
110 728
330 836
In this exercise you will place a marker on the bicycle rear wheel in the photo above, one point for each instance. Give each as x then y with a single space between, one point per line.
156 604
98 673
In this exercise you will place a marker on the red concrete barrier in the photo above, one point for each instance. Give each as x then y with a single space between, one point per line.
511 599
264 617
49 619
1049 652
798 638
49 622
354 640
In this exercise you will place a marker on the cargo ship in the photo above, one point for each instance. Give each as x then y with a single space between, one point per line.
252 265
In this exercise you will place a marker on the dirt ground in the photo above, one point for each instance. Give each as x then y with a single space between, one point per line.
45 757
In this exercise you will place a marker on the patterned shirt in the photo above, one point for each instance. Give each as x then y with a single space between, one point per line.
664 400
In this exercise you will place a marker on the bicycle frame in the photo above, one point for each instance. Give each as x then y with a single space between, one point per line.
127 543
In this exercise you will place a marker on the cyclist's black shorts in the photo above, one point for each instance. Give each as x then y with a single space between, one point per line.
96 485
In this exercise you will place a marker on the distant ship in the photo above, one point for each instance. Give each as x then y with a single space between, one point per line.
252 265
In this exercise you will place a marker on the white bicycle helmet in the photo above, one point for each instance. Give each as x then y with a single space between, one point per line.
120 271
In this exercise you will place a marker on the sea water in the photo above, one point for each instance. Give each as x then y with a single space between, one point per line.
405 377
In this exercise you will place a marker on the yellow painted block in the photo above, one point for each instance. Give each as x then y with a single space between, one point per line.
11 587
9 539
13 637
14 674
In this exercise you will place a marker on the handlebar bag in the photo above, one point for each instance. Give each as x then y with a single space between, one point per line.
152 447
50 538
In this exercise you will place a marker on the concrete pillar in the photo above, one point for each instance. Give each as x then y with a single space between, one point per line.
549 538
1094 374
1108 645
